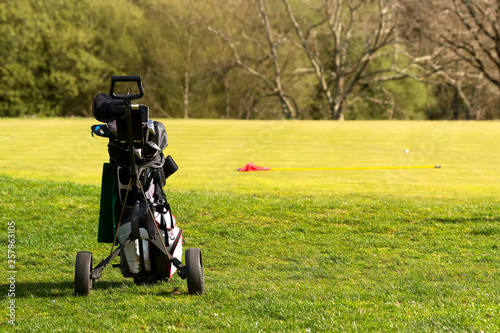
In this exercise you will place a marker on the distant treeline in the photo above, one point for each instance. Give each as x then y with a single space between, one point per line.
255 59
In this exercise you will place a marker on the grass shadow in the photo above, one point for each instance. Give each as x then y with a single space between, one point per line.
43 289
55 289
457 220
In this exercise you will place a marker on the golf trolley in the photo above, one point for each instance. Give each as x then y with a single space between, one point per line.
134 213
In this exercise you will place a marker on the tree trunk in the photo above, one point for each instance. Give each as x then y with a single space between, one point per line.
455 104
227 101
187 77
286 107
337 111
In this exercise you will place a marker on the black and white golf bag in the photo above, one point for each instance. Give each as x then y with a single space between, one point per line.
144 213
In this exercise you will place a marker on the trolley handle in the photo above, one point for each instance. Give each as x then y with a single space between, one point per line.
126 78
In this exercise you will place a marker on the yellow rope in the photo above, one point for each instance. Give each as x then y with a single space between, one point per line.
359 168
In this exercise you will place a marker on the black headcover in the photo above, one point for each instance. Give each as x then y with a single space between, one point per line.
106 109
160 138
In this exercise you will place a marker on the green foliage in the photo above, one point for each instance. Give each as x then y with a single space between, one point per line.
58 54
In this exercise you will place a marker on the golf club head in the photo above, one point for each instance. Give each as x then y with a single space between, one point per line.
138 153
151 127
154 145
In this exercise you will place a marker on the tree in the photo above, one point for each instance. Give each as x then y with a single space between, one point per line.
478 42
288 109
345 42
55 64
260 59
258 52
465 35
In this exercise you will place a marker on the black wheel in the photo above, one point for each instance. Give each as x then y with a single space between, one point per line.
83 281
194 271
138 281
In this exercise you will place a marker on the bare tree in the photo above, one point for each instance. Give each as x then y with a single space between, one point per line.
250 63
350 50
466 36
288 109
478 41
474 42
355 42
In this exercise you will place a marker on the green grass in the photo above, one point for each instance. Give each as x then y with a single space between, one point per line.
381 250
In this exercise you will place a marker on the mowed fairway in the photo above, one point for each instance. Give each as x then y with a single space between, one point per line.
293 251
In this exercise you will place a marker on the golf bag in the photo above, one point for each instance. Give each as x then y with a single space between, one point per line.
134 212
139 212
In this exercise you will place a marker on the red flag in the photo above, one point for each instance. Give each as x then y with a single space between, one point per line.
252 167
